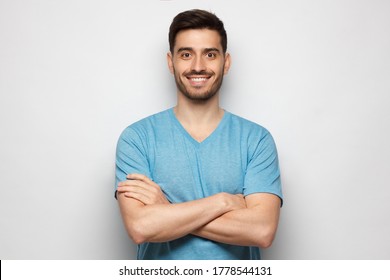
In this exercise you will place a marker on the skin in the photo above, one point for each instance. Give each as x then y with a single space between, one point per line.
198 65
198 69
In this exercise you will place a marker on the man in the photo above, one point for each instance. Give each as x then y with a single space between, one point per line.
195 181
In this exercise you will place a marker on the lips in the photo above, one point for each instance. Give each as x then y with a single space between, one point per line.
198 81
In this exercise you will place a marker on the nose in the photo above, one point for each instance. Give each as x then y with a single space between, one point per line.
198 64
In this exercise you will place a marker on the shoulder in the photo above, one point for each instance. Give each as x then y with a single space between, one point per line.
248 127
147 125
254 136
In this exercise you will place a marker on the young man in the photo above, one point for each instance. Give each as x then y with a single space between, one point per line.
195 181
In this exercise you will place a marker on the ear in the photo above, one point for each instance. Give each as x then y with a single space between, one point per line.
227 64
170 62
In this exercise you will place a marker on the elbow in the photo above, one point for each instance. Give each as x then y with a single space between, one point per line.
265 243
265 238
137 239
136 232
135 220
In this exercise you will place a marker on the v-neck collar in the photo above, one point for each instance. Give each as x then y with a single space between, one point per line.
189 137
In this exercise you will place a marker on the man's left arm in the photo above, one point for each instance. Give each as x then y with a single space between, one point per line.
255 225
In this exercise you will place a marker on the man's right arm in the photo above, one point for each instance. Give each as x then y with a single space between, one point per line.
165 222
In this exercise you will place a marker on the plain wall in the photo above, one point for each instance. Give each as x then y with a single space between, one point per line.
74 74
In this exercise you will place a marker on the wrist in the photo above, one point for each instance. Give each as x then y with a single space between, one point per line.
225 202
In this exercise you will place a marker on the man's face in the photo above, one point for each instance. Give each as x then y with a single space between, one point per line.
198 63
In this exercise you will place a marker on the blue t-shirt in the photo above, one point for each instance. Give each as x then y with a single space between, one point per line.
238 157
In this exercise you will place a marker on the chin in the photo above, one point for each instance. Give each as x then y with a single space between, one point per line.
199 96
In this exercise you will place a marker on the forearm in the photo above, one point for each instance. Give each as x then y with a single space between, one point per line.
223 217
235 228
164 222
252 226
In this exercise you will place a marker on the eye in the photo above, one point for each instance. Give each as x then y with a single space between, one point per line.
185 55
211 55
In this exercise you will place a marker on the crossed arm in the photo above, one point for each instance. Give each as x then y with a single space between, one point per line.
149 217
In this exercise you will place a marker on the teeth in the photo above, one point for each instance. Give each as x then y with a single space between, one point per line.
198 79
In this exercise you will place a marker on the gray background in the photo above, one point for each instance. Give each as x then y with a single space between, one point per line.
74 74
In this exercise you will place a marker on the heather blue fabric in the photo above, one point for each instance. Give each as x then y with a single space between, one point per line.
238 157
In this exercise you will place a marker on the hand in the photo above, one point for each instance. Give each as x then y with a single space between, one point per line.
235 201
240 202
143 189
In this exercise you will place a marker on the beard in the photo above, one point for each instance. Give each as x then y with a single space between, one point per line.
194 93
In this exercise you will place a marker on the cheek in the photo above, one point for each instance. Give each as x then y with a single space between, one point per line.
218 68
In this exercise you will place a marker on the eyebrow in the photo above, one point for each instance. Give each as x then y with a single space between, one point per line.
185 49
206 50
212 50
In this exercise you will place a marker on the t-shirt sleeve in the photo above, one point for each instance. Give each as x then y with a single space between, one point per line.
131 156
263 174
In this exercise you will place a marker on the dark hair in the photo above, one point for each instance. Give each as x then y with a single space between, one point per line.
196 19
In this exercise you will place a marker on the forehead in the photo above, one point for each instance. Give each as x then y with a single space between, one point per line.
198 39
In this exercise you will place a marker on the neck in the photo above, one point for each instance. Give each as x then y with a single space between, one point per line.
198 113
199 119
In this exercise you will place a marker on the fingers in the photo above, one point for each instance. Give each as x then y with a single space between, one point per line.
140 196
133 185
240 201
137 183
140 193
142 178
143 181
142 188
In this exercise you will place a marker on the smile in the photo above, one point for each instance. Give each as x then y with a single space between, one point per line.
199 79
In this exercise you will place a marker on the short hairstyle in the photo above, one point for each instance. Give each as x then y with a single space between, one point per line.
196 19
